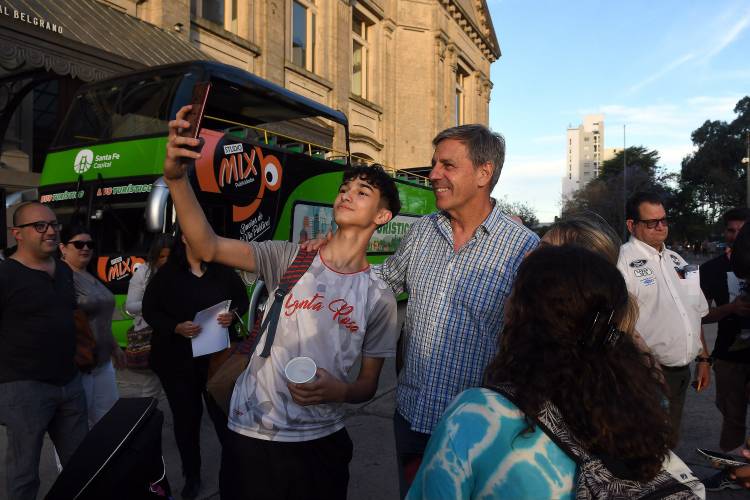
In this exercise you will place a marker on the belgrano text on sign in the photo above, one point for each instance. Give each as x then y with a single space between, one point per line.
25 17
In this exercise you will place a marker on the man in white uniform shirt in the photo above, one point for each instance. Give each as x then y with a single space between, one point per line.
670 300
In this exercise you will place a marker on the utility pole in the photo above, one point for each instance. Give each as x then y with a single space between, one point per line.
625 184
746 159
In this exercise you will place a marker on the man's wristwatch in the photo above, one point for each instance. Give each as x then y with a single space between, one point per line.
705 359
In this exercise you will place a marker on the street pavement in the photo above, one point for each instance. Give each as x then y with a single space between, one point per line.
373 468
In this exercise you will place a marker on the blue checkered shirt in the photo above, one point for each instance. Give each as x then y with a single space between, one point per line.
455 311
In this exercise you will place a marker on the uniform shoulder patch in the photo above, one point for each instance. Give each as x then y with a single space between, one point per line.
675 259
638 263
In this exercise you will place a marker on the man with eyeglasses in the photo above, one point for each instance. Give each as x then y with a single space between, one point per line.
670 300
40 387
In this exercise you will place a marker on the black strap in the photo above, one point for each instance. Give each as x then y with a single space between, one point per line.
292 275
294 272
561 442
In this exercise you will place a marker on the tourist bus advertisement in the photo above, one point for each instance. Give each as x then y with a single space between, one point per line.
255 180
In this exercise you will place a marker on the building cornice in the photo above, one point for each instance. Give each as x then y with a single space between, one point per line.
482 36
219 31
363 138
289 65
366 103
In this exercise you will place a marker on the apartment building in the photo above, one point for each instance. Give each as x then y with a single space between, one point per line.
585 153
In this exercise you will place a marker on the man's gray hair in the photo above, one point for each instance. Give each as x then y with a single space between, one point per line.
483 145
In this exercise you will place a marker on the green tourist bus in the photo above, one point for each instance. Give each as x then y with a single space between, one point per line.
264 172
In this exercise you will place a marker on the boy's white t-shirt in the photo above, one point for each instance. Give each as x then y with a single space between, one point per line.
327 316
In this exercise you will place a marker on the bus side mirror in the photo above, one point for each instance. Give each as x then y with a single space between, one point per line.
156 207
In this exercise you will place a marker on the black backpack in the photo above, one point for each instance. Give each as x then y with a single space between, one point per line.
120 458
595 480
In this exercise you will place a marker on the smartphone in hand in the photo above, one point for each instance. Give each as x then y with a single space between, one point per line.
195 115
722 460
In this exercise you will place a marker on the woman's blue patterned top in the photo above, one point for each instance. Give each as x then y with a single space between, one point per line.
477 451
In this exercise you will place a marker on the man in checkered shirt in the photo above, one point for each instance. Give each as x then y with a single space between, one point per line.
457 265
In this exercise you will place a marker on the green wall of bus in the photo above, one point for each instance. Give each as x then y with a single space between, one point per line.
133 158
145 157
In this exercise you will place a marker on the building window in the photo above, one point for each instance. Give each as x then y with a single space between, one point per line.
303 35
360 55
222 12
233 17
460 96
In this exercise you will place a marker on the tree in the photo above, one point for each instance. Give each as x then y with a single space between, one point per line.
521 210
606 195
638 158
713 179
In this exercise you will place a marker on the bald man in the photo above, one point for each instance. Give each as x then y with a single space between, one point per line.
40 387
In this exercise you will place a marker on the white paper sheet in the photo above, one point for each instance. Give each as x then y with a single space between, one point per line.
213 337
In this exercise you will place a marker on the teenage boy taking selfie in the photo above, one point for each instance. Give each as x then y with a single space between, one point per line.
288 440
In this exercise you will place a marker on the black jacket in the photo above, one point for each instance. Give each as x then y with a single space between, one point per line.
174 295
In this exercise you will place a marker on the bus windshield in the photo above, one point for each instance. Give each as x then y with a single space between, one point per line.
123 110
138 106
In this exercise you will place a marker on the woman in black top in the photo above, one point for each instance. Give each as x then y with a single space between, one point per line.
181 288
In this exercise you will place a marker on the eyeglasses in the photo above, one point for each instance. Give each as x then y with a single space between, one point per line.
41 226
652 223
79 244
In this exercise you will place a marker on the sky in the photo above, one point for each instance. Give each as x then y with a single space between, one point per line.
659 68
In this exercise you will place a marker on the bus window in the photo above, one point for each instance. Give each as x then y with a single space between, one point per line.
124 110
143 108
119 230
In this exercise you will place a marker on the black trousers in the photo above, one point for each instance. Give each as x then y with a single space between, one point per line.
410 448
186 391
271 470
678 380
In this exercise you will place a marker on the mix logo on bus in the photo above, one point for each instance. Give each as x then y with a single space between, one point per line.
114 268
243 174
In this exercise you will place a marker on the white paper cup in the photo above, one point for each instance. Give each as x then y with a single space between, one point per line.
300 370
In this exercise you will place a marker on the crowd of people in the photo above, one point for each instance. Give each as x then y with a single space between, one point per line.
528 368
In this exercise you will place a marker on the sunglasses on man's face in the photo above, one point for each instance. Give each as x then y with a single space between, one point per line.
652 223
80 244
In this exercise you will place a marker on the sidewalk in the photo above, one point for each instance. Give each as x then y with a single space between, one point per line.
373 469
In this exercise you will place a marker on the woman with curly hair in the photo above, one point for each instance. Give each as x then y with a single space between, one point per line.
565 342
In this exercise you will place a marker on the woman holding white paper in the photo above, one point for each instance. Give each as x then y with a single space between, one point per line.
183 287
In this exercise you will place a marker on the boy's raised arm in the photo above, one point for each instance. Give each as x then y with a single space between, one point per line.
202 239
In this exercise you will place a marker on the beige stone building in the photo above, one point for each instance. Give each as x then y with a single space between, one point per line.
401 70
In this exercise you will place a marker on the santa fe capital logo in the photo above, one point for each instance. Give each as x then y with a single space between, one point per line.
83 161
